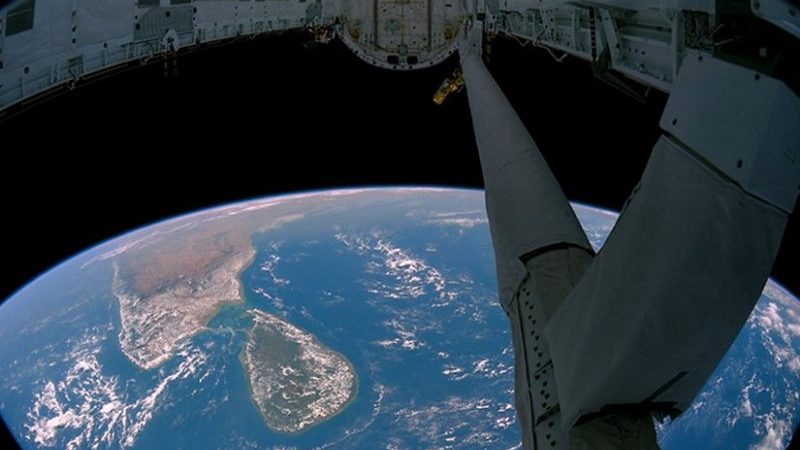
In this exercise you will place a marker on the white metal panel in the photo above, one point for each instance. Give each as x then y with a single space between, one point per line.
666 296
51 36
71 39
99 21
745 123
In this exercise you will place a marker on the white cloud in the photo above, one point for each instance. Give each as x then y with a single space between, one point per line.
776 435
91 408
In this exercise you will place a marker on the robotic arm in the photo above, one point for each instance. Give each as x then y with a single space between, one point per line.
603 342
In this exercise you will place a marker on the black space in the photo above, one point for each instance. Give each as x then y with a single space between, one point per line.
267 116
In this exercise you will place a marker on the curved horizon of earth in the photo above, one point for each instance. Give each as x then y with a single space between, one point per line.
362 318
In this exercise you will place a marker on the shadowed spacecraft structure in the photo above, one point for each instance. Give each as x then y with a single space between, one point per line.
604 343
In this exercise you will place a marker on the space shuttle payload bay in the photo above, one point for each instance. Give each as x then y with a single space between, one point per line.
600 340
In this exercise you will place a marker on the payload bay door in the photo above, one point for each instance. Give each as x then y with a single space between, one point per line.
403 26
402 34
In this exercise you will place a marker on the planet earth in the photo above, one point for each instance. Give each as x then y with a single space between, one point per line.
364 319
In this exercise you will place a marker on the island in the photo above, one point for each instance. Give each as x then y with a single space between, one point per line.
295 381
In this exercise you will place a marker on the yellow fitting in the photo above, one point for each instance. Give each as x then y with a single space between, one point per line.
454 83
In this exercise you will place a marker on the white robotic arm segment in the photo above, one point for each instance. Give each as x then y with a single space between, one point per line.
528 212
646 324
470 43
745 124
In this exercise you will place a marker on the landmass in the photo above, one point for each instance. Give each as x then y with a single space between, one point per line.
152 326
295 381
174 279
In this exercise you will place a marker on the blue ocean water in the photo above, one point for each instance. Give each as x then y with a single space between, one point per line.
400 283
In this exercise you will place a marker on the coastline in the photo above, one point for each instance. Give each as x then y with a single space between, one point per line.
353 395
171 301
